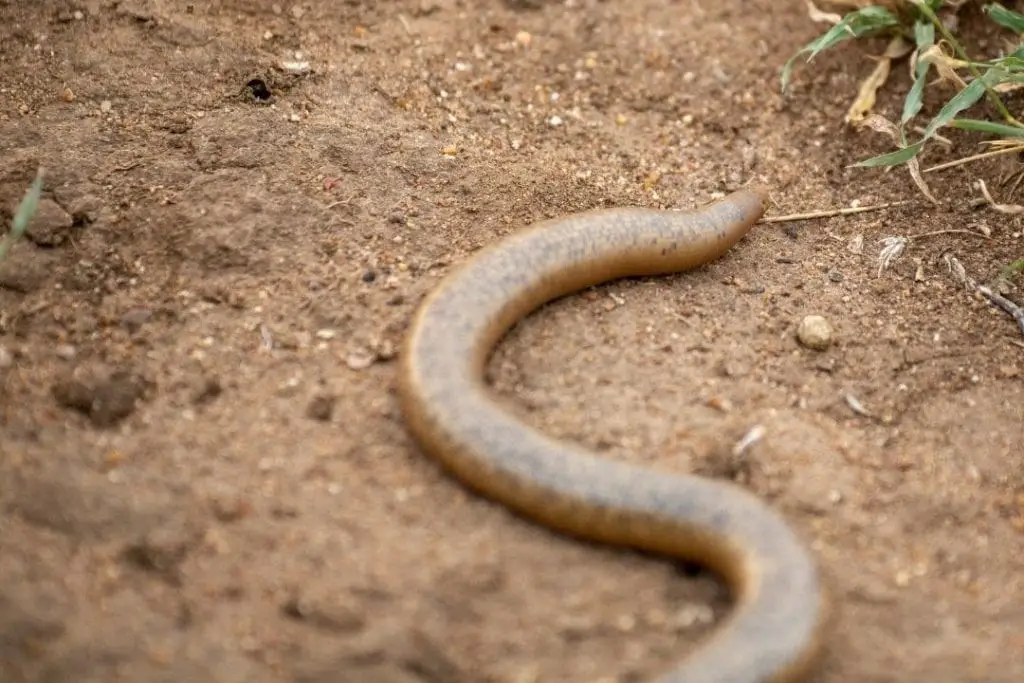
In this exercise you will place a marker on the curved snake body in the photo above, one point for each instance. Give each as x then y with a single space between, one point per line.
774 632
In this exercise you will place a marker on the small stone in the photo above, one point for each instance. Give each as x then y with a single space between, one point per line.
84 208
815 333
296 68
135 318
289 386
66 351
385 350
51 224
324 611
693 615
163 549
6 358
106 106
1009 371
230 507
360 360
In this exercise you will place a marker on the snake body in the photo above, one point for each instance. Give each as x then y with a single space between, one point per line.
775 629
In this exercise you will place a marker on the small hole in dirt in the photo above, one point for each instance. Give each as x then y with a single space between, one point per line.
259 89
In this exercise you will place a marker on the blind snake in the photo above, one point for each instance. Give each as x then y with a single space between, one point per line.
774 632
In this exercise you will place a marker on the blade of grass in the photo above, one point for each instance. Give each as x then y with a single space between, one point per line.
1005 18
924 37
988 127
927 10
964 99
856 24
892 158
26 209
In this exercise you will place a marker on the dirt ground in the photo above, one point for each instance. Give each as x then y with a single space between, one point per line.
204 475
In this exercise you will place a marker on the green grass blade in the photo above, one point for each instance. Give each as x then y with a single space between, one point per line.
1000 129
1013 62
924 37
1005 18
896 158
1013 268
26 209
964 99
854 25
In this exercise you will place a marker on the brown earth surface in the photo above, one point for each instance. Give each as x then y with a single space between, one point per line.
204 474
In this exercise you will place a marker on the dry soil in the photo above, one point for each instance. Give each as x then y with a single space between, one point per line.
203 472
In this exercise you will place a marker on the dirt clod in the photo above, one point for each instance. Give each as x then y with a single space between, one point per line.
163 549
51 224
106 401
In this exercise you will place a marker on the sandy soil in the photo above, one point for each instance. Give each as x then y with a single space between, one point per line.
204 475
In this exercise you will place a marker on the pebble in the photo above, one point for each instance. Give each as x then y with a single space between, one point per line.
135 318
815 333
161 550
6 357
51 224
229 507
66 351
325 611
359 360
693 615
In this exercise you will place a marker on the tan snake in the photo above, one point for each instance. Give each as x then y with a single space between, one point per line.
775 631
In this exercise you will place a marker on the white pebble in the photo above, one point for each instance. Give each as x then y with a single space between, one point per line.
359 360
815 333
